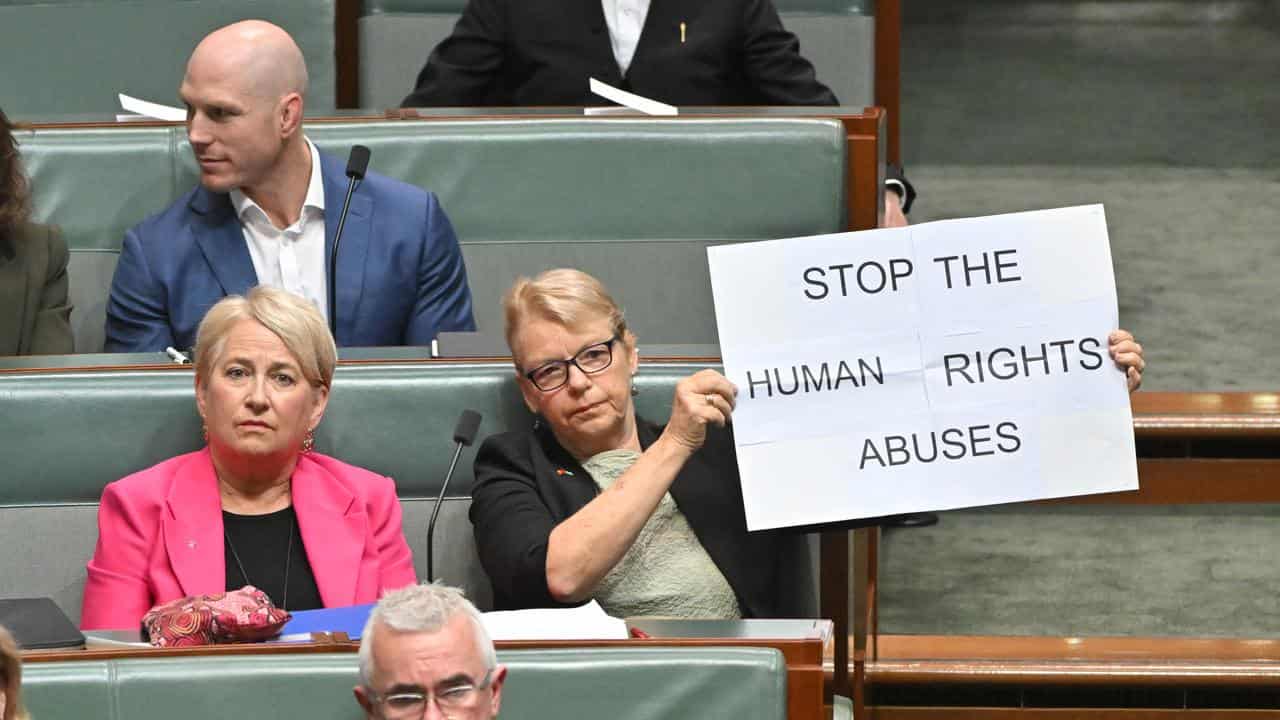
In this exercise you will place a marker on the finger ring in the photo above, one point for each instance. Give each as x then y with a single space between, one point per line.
710 399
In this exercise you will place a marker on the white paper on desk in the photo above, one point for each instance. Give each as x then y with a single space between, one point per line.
114 638
152 110
588 622
949 364
631 100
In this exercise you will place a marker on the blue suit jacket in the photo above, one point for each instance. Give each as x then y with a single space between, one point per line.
400 281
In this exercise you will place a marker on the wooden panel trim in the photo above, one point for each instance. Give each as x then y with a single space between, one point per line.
865 144
1092 661
833 603
799 652
1177 481
346 49
1206 414
121 653
1006 713
888 71
1205 403
1207 426
505 359
1094 648
995 672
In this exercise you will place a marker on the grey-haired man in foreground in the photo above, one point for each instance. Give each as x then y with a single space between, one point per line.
424 653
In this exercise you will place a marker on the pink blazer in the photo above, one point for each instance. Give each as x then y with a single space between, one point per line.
160 537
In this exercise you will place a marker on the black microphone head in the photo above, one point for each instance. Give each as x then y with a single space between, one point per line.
468 425
358 162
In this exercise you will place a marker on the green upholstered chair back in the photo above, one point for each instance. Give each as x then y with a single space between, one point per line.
629 200
396 36
75 55
95 185
65 435
618 684
633 202
839 38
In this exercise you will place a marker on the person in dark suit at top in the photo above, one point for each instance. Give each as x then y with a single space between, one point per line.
35 316
266 211
542 52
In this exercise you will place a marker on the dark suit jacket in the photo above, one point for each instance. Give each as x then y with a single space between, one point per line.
542 52
35 317
400 280
526 484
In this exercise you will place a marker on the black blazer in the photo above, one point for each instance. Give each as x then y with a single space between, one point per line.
542 52
526 484
35 316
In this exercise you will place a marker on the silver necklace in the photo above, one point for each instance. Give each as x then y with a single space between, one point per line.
288 560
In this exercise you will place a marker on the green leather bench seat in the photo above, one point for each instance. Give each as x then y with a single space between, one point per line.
630 200
75 55
839 38
634 202
396 36
618 684
95 185
65 435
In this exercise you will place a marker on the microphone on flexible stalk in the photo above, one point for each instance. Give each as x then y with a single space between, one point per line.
463 434
357 164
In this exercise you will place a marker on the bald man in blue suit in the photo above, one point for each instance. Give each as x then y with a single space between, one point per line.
266 212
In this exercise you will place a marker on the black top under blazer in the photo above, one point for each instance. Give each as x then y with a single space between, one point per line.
526 484
542 52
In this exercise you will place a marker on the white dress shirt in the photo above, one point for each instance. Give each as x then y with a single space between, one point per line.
625 19
293 258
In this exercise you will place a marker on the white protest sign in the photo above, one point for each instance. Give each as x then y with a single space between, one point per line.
944 365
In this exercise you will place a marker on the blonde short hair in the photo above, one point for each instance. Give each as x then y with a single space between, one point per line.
424 608
11 678
293 319
562 295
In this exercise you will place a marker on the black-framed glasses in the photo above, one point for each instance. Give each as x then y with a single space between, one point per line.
590 360
413 705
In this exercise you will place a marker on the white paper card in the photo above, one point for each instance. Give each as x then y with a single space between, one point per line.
943 365
585 622
151 110
631 100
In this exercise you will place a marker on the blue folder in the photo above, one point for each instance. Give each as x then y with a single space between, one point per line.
350 620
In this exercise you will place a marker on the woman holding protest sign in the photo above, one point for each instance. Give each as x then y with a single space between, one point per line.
597 503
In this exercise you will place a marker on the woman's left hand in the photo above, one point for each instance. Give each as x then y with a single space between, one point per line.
1128 356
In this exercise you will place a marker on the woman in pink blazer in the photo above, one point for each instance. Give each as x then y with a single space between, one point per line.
256 506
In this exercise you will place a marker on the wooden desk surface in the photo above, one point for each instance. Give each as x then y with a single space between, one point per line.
1091 661
1206 414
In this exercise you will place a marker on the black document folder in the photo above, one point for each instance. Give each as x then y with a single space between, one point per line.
37 623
